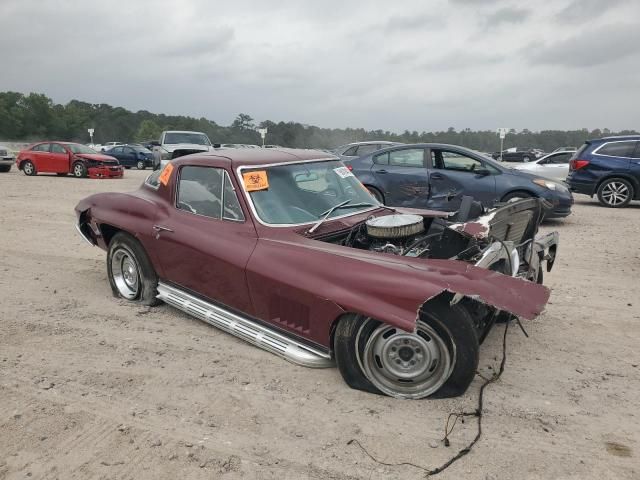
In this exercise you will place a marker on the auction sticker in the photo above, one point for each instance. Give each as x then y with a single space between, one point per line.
343 172
254 181
166 174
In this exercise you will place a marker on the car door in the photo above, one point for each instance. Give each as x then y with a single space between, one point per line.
203 241
554 166
455 174
117 153
129 156
40 157
403 177
59 158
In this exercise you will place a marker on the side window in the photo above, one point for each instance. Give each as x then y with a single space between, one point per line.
561 158
232 210
637 152
445 160
127 150
382 159
617 149
408 157
57 148
366 149
351 151
116 150
153 180
200 191
43 147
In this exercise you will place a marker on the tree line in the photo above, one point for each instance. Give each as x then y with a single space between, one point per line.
35 117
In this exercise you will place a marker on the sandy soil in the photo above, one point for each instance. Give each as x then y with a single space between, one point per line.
93 387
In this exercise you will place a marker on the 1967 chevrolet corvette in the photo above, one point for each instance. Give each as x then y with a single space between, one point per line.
287 250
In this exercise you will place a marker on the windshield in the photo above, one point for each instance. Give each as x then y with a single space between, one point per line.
303 192
77 148
173 138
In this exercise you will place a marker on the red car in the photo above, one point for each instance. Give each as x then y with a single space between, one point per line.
288 250
63 158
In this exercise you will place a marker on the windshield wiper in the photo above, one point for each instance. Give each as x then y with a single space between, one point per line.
326 213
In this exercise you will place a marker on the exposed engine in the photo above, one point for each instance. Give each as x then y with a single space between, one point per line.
397 234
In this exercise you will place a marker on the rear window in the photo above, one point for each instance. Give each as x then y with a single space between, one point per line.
581 150
617 149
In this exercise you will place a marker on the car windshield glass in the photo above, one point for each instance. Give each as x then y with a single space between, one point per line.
77 148
173 138
304 192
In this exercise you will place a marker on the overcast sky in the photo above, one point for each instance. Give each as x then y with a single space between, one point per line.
416 65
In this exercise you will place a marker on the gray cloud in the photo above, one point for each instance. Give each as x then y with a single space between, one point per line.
403 24
589 48
582 10
506 15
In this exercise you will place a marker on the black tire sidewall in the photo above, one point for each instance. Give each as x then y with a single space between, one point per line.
148 276
620 180
377 194
459 330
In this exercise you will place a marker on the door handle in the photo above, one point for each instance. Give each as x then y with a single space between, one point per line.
381 171
159 229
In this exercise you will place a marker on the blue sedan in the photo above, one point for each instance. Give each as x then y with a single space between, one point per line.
437 176
132 156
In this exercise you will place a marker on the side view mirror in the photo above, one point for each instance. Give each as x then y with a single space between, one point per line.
482 172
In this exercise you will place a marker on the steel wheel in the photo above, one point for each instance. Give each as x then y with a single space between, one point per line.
406 365
615 193
125 272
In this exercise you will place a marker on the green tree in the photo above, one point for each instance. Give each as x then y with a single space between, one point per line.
148 130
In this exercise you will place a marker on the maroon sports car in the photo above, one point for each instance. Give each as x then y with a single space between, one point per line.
287 250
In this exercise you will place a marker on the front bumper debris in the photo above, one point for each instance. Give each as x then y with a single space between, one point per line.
103 172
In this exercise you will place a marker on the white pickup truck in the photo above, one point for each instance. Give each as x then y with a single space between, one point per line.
177 143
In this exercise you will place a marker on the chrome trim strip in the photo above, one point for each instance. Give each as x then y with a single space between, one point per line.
283 225
83 235
245 329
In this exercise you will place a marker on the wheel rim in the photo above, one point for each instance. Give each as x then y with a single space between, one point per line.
78 170
28 168
140 165
615 193
406 365
125 273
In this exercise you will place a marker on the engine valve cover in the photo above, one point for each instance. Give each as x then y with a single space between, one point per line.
395 226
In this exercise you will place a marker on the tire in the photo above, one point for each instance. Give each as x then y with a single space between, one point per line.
141 165
131 275
29 168
526 158
446 332
5 168
377 194
615 193
517 194
79 170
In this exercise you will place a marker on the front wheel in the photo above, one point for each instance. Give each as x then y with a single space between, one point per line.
615 193
79 170
439 359
29 168
130 272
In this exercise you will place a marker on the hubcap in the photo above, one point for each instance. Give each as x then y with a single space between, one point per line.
28 169
615 193
124 270
77 170
140 165
406 365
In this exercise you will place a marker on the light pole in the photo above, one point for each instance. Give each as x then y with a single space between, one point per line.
263 134
91 130
503 133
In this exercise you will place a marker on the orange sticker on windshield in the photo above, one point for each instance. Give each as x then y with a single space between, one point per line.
166 173
254 181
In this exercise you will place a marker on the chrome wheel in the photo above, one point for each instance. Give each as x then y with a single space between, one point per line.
124 270
615 193
406 365
28 168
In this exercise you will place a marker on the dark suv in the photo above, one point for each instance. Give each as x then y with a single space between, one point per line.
608 167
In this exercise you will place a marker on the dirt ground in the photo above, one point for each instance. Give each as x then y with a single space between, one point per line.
94 387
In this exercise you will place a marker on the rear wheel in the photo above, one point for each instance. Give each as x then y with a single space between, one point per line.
29 168
79 170
377 194
438 360
615 192
130 272
140 165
